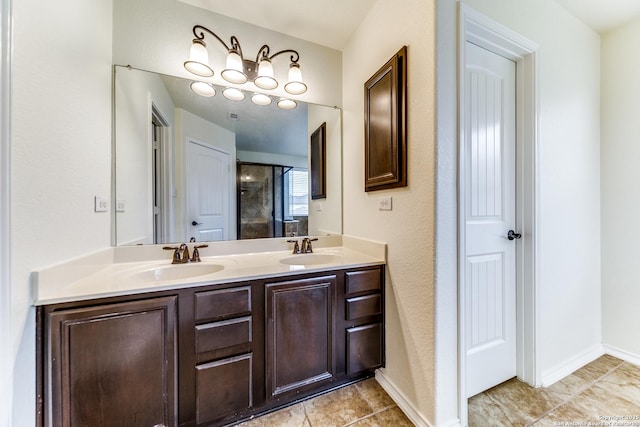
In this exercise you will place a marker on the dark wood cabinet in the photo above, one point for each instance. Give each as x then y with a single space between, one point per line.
112 365
210 355
299 334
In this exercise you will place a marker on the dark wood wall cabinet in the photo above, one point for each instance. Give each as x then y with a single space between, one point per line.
385 125
208 356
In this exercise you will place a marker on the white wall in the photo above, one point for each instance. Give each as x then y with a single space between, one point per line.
409 228
61 155
190 126
156 35
136 91
325 215
620 189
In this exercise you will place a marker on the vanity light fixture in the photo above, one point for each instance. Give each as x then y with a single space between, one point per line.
239 70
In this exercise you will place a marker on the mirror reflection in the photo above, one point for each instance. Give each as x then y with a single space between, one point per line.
208 168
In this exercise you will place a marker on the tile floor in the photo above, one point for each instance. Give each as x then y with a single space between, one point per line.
592 396
605 392
364 404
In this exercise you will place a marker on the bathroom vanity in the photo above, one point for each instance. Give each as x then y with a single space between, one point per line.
212 349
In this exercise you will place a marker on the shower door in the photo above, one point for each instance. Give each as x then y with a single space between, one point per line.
260 200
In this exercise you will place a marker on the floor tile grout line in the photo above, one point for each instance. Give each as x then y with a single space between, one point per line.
577 393
373 414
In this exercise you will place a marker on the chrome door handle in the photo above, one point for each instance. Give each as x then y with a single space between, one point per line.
512 235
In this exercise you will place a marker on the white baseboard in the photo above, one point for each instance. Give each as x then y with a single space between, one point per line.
553 375
403 403
621 354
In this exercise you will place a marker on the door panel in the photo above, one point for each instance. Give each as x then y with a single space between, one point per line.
490 258
208 212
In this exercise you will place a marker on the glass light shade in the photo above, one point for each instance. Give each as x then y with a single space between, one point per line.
296 85
234 72
203 89
260 99
198 62
287 104
265 78
233 94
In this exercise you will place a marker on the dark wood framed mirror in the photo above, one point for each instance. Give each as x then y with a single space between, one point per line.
318 154
385 144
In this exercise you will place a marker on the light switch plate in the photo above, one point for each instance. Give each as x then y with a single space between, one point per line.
101 204
120 205
384 203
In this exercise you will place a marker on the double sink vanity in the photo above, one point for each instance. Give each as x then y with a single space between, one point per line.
127 338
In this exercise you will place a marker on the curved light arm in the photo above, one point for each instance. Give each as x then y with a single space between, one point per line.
198 32
264 53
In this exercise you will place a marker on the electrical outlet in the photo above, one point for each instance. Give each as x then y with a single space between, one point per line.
120 205
101 204
384 203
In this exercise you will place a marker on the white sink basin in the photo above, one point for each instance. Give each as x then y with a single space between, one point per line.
176 272
309 259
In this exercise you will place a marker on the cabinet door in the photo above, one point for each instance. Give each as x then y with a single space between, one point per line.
299 333
112 365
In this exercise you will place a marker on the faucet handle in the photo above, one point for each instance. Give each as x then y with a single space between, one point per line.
296 246
195 257
176 253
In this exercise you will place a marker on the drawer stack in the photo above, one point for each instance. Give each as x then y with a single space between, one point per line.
223 338
363 317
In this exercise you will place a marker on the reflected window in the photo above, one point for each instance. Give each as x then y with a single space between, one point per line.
297 193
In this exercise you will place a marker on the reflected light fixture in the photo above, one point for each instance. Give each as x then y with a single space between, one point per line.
260 99
239 70
203 89
233 94
287 104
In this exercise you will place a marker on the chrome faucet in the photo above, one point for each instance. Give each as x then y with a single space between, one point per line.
181 253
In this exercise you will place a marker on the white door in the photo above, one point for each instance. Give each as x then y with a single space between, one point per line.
489 257
208 193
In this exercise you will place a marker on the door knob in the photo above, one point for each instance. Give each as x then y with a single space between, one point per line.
194 223
512 235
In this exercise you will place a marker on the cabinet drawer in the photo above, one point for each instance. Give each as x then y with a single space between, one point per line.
362 281
223 303
364 348
223 388
368 305
219 335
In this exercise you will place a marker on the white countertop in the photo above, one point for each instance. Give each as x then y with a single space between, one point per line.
133 270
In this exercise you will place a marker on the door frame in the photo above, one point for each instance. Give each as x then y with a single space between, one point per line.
493 36
161 176
6 352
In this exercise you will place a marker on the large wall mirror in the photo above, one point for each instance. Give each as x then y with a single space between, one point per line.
208 168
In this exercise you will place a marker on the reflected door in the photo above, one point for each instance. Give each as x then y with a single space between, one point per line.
208 193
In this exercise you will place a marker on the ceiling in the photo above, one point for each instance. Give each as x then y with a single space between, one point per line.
328 22
332 22
603 15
